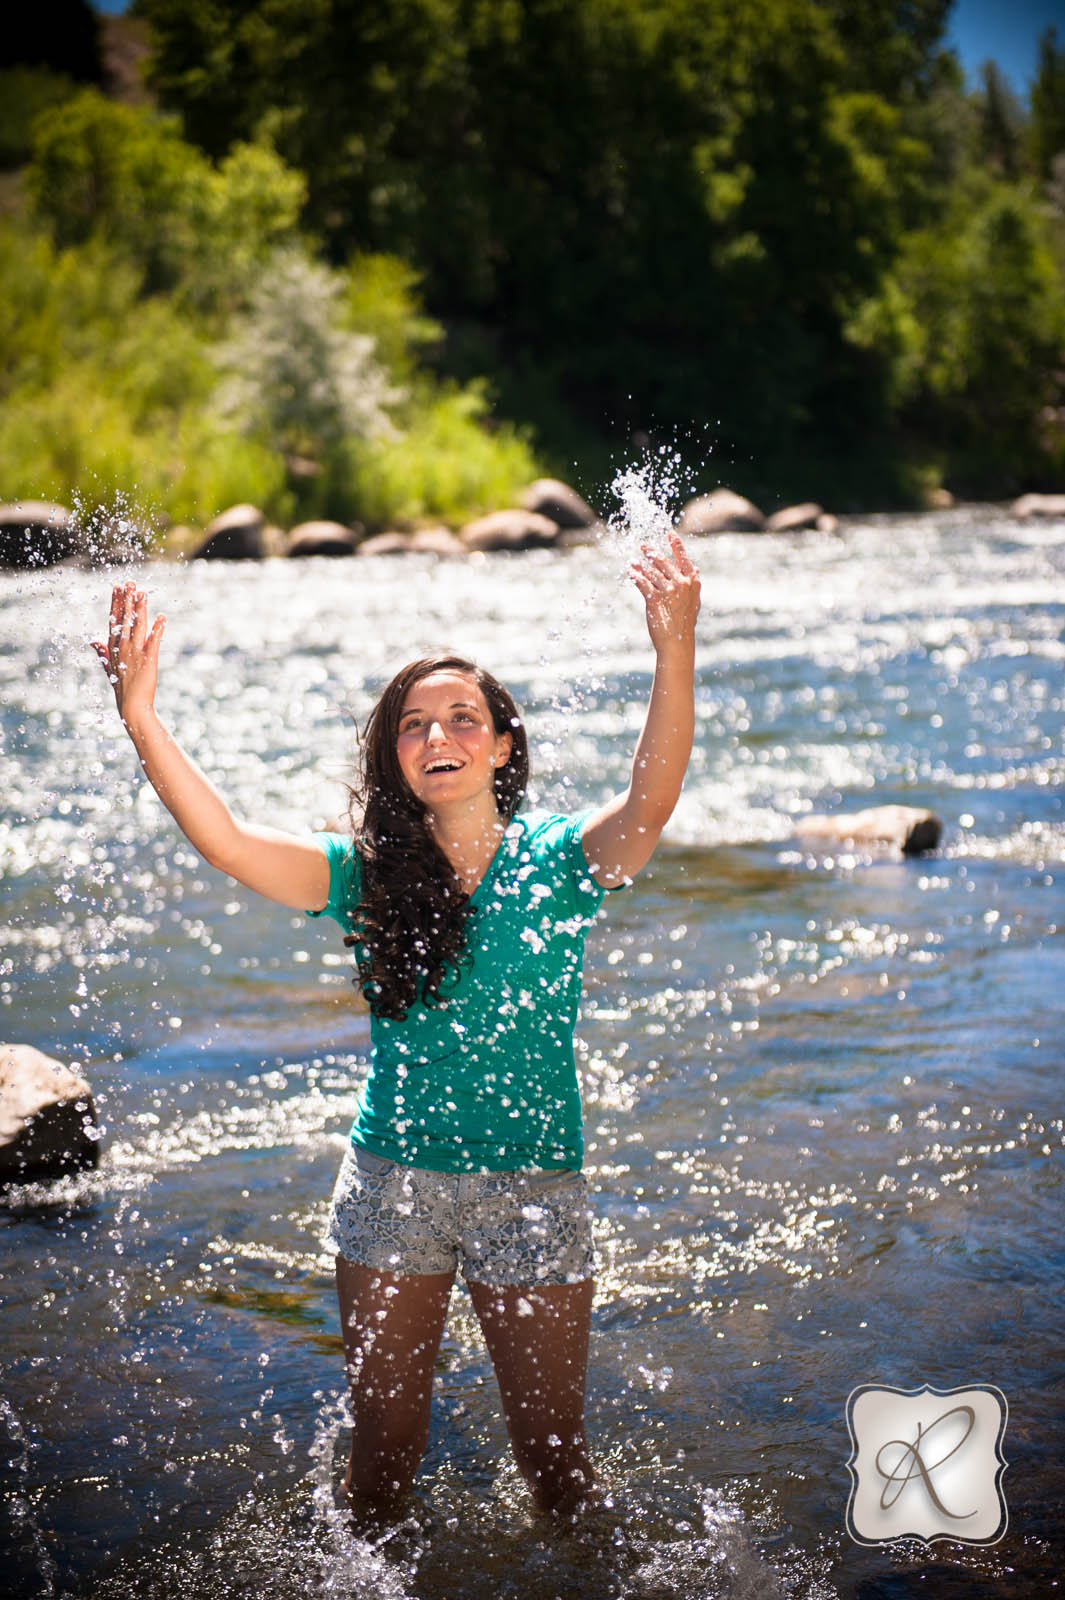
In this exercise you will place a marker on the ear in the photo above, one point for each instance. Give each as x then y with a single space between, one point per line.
505 746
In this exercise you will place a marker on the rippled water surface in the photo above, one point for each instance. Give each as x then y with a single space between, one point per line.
823 1093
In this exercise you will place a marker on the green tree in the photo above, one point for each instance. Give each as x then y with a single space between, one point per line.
24 93
891 47
125 174
1047 105
1001 123
971 323
631 209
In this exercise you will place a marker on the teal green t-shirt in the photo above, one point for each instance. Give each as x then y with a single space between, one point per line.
487 1081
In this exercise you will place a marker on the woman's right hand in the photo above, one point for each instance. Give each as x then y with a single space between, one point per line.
131 654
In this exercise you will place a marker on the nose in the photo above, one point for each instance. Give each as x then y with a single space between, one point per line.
435 734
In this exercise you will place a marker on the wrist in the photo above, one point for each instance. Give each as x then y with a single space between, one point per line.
142 724
677 650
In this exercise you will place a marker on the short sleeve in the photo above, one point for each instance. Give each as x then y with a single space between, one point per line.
558 839
589 893
345 878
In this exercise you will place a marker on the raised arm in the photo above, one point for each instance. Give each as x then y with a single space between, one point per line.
621 836
280 865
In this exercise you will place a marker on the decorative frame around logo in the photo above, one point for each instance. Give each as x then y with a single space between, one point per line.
924 1468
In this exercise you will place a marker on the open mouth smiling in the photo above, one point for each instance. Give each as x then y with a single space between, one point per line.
442 764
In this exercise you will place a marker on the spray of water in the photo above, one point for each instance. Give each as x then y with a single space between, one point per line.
648 493
647 496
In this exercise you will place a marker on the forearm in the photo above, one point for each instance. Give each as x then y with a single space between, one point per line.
285 867
188 794
620 838
665 743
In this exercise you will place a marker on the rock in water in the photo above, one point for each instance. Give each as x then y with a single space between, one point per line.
321 539
510 530
47 1117
795 519
385 544
720 512
437 541
554 499
907 829
1039 505
234 535
36 533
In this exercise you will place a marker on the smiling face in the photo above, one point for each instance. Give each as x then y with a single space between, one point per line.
447 747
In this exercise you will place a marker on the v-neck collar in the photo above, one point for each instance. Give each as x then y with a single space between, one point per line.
512 830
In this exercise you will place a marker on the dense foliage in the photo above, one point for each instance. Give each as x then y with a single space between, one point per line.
781 233
171 340
756 221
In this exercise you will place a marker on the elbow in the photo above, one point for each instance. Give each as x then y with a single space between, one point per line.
217 857
650 816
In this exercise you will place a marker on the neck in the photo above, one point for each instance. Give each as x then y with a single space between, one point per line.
469 836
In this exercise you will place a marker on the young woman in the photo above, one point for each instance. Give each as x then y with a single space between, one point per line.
468 920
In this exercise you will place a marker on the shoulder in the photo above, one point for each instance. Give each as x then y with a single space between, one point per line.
551 842
345 874
543 831
339 847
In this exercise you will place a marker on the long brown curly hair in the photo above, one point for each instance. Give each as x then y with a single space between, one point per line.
410 924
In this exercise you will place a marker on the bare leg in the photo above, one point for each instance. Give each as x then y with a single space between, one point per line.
537 1338
392 1327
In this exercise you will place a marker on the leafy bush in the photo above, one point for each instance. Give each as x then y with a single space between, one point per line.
102 170
298 378
445 463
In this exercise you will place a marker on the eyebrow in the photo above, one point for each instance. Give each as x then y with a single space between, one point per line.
456 705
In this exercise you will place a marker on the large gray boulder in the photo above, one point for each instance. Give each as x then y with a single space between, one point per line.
1039 505
795 519
510 530
37 533
47 1117
552 498
906 829
321 539
234 535
719 512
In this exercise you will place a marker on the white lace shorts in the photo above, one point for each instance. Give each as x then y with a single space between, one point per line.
495 1227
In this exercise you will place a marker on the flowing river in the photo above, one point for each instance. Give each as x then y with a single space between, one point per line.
823 1092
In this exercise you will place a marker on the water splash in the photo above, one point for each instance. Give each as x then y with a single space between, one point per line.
648 493
115 529
27 1559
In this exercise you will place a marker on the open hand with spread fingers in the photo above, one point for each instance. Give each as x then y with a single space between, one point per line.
670 588
131 654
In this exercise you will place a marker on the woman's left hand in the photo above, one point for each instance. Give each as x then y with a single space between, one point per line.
670 589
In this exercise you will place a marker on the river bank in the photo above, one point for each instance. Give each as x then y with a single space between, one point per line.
552 515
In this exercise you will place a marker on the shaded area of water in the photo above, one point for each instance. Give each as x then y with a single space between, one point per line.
823 1096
